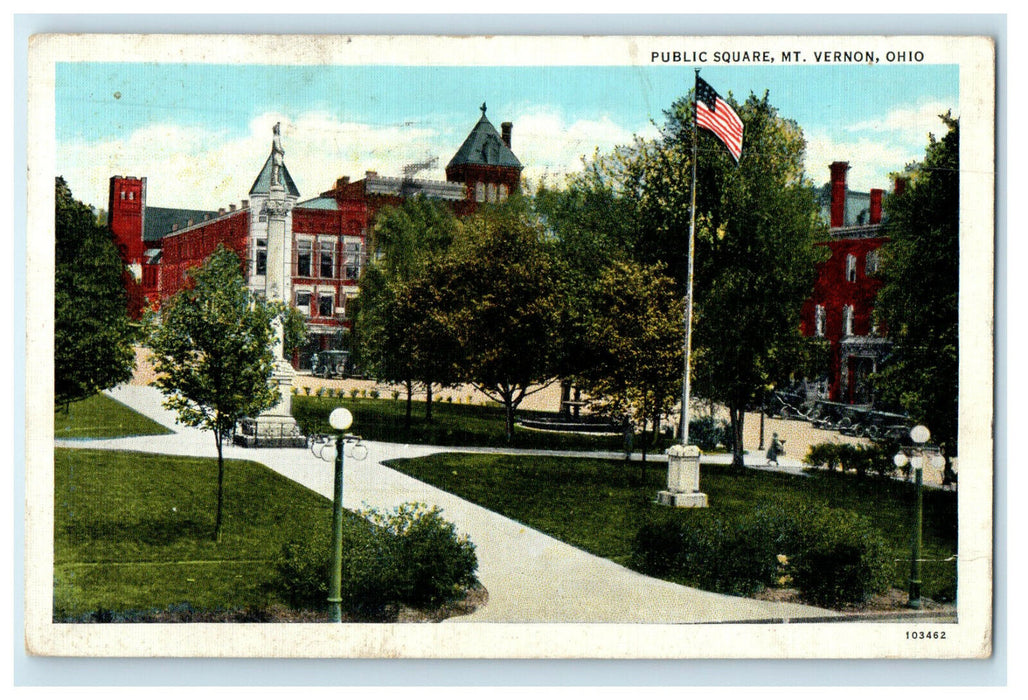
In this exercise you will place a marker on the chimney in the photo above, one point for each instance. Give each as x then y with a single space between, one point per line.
221 211
505 129
368 174
231 207
839 169
342 182
876 206
189 222
900 185
244 204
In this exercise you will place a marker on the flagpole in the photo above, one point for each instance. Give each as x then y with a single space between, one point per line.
683 426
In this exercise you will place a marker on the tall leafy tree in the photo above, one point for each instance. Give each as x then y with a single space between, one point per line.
502 302
93 336
400 341
756 225
213 349
918 302
635 344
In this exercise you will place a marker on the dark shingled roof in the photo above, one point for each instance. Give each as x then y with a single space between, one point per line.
483 146
262 185
159 220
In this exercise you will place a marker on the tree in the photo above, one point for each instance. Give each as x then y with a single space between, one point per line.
213 353
918 302
756 226
93 336
635 344
500 298
400 340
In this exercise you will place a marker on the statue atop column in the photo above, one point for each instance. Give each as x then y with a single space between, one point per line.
277 155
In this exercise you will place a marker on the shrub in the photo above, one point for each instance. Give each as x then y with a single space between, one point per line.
876 459
396 395
841 558
410 556
832 556
707 433
375 393
307 390
320 392
434 565
354 393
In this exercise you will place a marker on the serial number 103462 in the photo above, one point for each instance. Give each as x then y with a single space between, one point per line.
921 634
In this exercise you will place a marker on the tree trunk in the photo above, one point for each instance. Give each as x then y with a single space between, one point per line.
737 416
221 486
508 405
410 403
428 402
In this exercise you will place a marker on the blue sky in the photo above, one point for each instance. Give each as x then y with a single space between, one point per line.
201 132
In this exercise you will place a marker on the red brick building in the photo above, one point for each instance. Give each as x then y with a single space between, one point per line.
329 232
841 307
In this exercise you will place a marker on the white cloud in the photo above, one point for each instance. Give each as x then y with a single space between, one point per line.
191 167
874 149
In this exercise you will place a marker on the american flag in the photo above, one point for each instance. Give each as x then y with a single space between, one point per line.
714 114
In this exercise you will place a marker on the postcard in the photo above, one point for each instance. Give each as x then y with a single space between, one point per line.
606 347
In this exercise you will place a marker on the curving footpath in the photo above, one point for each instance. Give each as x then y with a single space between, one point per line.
531 577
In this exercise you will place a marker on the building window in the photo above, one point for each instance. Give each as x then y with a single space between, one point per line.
847 320
303 258
479 191
327 259
490 192
325 304
819 321
871 263
123 194
851 268
503 192
260 256
303 303
353 261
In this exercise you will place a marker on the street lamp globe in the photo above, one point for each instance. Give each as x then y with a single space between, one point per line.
900 460
340 419
920 434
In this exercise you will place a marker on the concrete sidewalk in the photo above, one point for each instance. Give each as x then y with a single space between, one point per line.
531 577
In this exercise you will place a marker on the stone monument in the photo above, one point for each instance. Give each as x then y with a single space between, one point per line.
683 478
276 427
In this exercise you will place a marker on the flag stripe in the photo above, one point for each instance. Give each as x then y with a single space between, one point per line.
718 117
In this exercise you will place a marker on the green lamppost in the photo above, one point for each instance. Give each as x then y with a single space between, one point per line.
919 434
340 419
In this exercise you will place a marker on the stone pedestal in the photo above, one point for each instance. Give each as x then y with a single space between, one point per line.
683 479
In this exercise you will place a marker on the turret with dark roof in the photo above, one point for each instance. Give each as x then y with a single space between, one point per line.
485 162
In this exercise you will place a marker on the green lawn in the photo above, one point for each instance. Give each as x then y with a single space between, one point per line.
453 424
132 532
599 505
100 416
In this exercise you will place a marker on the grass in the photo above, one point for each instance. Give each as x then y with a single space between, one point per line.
598 505
132 532
100 416
453 424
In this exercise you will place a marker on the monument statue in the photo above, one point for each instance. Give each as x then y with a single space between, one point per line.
277 154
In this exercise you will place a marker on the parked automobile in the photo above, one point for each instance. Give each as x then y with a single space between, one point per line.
333 363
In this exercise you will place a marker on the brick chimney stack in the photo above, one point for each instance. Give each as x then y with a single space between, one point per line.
505 129
838 218
876 206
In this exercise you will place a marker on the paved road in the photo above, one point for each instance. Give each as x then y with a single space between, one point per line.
530 577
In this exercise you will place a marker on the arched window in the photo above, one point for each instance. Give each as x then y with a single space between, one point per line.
479 191
819 321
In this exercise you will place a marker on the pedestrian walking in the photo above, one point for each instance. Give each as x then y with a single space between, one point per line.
776 449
